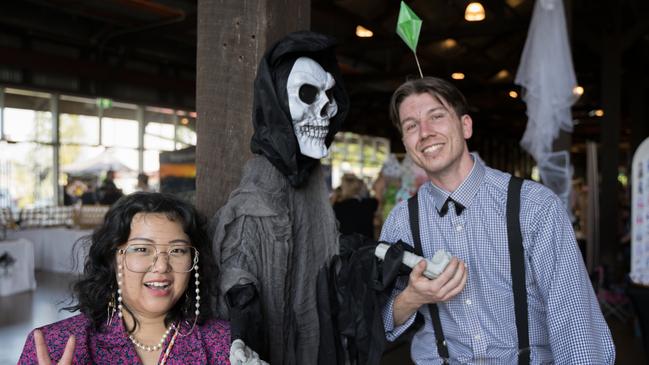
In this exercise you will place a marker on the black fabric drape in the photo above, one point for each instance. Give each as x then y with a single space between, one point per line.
352 291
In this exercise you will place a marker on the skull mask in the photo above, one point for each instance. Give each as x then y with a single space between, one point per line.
309 89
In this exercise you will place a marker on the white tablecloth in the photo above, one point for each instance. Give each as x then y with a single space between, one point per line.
53 247
16 266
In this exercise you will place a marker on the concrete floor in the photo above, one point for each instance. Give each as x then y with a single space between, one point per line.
20 313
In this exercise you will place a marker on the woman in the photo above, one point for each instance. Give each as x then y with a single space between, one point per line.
142 296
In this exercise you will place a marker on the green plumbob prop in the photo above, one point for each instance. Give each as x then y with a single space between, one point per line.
408 28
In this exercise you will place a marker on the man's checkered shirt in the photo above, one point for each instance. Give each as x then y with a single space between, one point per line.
566 325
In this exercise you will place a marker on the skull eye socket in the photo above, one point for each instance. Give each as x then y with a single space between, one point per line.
308 93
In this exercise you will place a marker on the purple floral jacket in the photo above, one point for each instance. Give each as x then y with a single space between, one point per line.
207 344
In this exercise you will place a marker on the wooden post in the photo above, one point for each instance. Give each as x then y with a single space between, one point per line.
232 38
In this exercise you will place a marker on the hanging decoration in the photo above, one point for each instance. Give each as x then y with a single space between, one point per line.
547 77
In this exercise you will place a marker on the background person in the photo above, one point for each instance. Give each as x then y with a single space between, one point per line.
142 182
354 208
142 296
108 192
462 210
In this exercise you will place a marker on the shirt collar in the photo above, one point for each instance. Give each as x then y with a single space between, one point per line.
467 190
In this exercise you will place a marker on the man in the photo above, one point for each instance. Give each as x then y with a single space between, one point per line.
474 293
277 228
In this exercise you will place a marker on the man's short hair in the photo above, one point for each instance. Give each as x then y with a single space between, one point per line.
439 89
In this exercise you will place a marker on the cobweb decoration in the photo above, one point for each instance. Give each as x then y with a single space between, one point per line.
547 77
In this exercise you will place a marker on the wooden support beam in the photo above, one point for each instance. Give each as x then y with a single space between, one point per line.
232 38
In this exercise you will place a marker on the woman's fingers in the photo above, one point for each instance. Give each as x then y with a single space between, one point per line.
68 353
42 353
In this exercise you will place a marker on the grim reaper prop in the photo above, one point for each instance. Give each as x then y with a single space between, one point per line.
277 228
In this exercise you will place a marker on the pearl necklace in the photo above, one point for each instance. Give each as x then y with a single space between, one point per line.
150 348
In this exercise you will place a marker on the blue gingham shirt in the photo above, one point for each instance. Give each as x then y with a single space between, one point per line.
566 325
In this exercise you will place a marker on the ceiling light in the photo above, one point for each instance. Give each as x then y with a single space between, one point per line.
502 74
513 94
578 90
514 3
457 76
596 113
184 121
474 12
362 32
449 43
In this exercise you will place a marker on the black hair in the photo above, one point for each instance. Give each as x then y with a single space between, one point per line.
98 284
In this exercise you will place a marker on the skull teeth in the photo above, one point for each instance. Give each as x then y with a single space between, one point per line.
314 131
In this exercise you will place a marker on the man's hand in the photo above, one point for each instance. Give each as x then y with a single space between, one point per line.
44 356
421 290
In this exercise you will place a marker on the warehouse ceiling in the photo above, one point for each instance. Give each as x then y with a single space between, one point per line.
145 51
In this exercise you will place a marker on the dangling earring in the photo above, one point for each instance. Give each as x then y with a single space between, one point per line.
197 305
111 310
119 290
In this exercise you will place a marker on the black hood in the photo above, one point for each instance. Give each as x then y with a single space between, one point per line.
274 137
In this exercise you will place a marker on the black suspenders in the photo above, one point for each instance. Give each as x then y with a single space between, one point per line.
413 213
517 263
517 260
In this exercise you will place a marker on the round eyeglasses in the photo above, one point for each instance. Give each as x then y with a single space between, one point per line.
142 258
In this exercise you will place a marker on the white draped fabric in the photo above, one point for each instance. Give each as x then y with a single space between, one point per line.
547 77
16 267
53 247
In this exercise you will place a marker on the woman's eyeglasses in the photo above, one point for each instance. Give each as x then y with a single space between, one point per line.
142 258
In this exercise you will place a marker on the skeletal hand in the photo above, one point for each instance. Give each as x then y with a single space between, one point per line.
240 354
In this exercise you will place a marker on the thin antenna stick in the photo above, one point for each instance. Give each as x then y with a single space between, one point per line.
419 67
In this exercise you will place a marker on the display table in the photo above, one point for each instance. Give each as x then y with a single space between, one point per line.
16 266
53 248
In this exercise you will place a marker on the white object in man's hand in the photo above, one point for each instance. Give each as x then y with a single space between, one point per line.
240 354
434 266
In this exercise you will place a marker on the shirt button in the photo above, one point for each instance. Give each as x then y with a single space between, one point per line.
477 337
468 302
458 228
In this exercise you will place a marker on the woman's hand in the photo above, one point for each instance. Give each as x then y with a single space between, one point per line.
43 355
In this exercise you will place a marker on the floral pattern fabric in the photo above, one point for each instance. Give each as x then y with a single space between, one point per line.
208 343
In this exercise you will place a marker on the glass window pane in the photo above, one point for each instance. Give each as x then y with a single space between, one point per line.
26 174
185 136
151 161
159 136
78 120
119 126
119 132
28 125
81 129
361 155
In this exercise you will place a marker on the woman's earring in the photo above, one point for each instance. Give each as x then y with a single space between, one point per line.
198 292
119 290
111 310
